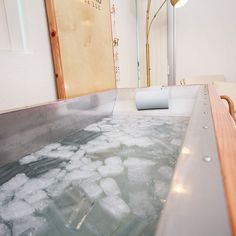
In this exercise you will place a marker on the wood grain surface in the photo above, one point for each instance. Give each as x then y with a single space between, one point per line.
56 54
225 129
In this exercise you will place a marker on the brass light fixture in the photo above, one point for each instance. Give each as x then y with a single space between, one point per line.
174 3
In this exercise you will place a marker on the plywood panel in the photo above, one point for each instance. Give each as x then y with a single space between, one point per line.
85 38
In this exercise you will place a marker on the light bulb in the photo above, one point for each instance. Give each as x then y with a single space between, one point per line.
180 3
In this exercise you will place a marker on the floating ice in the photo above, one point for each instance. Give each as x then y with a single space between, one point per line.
139 175
113 161
137 162
51 174
30 158
92 190
4 230
40 205
141 205
166 172
161 189
32 186
35 197
105 128
96 177
80 175
79 154
144 183
115 206
15 183
96 142
47 149
140 142
61 175
103 148
91 166
110 186
93 127
67 148
86 160
6 196
111 170
57 188
27 225
74 165
176 142
52 146
15 209
62 154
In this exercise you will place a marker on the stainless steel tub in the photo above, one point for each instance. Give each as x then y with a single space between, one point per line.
196 202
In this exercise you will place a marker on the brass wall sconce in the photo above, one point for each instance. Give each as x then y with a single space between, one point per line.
174 3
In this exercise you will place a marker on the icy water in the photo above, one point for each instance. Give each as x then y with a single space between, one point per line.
112 178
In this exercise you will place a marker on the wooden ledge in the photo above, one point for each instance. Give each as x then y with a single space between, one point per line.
225 130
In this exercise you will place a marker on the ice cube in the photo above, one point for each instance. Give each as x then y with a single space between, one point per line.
141 204
61 154
51 174
166 171
61 175
4 230
35 197
80 175
113 161
161 189
139 175
57 188
115 206
103 148
5 197
92 190
109 186
28 224
141 142
110 170
30 158
176 142
92 179
86 160
137 162
40 205
93 127
14 183
75 164
91 166
15 209
32 186
52 146
79 154
67 148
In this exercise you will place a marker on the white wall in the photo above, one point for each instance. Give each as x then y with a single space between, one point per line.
206 39
26 74
125 30
158 43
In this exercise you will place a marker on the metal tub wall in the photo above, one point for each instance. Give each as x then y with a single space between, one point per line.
25 131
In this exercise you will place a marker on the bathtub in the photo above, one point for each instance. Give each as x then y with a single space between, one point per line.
196 202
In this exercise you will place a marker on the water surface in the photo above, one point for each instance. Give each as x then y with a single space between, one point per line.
112 178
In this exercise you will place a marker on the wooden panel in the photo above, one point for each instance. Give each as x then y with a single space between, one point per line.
84 30
225 129
55 49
